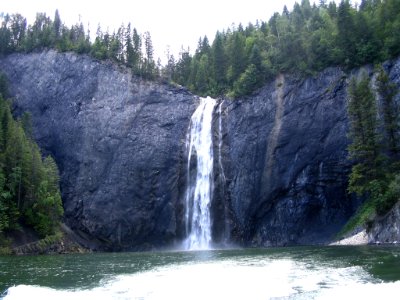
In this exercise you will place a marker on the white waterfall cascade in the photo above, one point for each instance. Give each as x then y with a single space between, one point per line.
199 187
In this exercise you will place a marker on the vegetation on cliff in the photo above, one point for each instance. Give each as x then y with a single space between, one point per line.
29 184
375 147
125 46
240 59
305 40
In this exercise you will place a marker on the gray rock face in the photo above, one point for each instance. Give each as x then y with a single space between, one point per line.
280 171
118 141
285 161
386 229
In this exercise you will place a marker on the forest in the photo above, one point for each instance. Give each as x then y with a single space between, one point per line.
29 184
126 46
240 59
304 41
375 145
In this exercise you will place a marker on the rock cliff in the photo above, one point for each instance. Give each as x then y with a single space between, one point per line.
118 141
280 173
386 229
285 161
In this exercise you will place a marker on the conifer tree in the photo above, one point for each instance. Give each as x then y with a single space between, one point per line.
219 62
390 111
346 30
149 63
137 53
364 147
130 55
29 186
57 25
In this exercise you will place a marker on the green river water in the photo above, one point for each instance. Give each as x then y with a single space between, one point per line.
367 272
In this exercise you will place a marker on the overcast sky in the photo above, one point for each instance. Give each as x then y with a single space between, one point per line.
171 23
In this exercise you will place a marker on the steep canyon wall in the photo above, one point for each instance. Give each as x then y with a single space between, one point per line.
280 176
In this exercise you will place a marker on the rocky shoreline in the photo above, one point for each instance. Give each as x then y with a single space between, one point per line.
360 238
24 242
384 230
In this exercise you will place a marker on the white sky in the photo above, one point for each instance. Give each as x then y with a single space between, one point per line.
171 23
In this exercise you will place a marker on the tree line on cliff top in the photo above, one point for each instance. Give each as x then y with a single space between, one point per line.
125 46
239 60
305 40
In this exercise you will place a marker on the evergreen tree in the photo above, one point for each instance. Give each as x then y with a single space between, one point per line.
219 63
18 31
306 9
57 25
367 43
390 111
182 68
346 30
137 53
236 53
201 79
99 48
130 51
3 86
5 36
247 82
332 9
322 3
285 11
29 186
364 148
47 211
5 200
40 34
148 63
374 174
169 69
322 43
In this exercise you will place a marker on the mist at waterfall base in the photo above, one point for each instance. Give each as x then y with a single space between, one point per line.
365 272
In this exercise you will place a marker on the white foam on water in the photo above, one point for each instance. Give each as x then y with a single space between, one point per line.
229 279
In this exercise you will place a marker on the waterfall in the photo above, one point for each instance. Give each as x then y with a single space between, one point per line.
199 187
